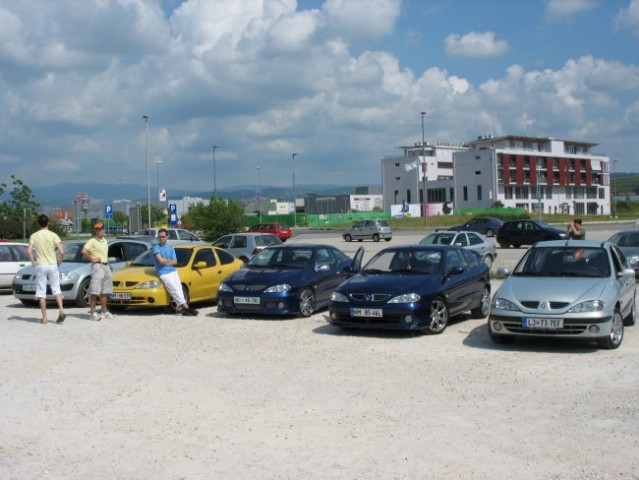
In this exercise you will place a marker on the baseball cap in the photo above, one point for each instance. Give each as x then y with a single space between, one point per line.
97 225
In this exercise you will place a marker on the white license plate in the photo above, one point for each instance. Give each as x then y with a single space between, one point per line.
120 296
247 300
28 288
367 312
543 323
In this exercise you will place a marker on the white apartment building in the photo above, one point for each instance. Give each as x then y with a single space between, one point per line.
423 174
558 176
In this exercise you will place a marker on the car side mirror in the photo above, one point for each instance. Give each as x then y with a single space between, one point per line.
503 272
456 271
322 267
199 265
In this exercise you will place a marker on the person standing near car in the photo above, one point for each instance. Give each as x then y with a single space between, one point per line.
46 252
575 230
165 261
96 251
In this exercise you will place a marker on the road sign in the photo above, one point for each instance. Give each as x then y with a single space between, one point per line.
173 220
108 211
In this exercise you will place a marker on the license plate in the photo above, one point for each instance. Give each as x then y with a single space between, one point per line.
367 312
247 300
28 288
543 323
120 296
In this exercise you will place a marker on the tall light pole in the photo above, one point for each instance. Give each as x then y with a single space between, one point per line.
259 191
294 208
423 171
214 172
612 189
158 163
148 181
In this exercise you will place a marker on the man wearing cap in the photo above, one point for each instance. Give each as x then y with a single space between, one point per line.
96 251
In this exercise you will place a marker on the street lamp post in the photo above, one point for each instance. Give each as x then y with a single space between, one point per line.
158 163
148 181
259 191
293 192
423 171
214 172
612 189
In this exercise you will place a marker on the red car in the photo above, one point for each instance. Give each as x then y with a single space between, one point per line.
282 230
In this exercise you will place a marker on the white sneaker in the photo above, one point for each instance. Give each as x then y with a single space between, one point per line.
95 317
108 315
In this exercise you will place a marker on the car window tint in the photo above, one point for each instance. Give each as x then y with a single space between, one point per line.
171 235
239 242
223 242
20 252
5 254
474 239
225 257
461 240
453 259
339 255
144 260
470 258
266 240
73 253
205 255
324 257
619 260
132 250
183 256
117 252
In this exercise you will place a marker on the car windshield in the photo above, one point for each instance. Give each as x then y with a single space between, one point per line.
289 257
438 239
626 239
568 261
405 261
73 253
267 240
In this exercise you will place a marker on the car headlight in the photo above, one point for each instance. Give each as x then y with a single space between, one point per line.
503 304
225 288
338 297
150 284
405 298
68 277
282 287
633 261
589 306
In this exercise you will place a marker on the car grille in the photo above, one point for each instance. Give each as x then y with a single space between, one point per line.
534 304
514 326
125 284
240 287
369 297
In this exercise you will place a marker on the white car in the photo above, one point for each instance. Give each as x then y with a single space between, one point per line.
175 236
13 257
474 241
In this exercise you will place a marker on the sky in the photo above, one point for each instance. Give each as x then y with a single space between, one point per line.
339 83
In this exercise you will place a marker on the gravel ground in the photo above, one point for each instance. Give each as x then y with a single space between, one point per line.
156 396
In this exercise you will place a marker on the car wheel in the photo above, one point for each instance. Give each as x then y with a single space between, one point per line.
629 321
488 260
174 308
504 243
117 308
307 302
614 338
516 246
483 308
348 238
375 237
244 260
360 239
490 232
84 296
438 316
388 239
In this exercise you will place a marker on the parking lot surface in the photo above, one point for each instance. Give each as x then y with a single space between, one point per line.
155 395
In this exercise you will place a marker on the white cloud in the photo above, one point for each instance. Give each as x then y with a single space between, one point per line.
561 9
358 19
475 44
629 18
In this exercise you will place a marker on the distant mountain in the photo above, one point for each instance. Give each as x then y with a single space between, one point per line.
63 195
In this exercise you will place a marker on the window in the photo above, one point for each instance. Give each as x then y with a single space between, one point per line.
465 193
225 257
205 255
436 195
239 242
408 197
474 239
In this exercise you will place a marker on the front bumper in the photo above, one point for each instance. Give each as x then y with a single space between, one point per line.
573 327
401 316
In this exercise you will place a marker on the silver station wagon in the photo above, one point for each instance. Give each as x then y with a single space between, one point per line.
566 289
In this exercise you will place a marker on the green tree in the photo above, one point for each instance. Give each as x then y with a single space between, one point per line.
158 215
13 209
219 217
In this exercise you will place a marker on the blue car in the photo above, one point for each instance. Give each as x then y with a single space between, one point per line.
287 280
413 287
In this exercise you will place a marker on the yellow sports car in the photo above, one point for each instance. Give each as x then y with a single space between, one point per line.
201 269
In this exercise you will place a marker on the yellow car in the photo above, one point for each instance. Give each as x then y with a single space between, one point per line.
201 269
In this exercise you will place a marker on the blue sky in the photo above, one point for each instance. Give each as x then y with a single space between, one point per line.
339 82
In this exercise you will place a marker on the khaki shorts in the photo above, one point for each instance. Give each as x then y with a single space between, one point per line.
101 280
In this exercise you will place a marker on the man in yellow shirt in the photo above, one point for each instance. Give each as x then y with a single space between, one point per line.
44 257
96 250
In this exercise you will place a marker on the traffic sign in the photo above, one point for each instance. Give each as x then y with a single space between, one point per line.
108 211
173 220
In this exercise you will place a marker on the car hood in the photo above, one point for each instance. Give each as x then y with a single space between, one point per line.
137 274
267 276
557 289
64 268
391 283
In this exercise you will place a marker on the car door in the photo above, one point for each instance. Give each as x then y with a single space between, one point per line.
456 285
328 273
12 259
477 244
625 280
202 276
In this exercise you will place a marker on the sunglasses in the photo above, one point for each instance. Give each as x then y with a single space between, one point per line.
98 228
161 236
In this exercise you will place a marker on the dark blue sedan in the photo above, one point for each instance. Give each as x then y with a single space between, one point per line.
413 287
287 280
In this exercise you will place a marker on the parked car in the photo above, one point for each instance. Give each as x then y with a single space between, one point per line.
247 244
287 280
75 271
175 236
13 257
526 232
413 287
369 230
201 269
485 225
282 230
566 289
476 242
628 243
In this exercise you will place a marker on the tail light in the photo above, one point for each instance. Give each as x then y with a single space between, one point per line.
256 250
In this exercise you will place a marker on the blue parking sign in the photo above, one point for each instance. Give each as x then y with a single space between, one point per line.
173 220
108 211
